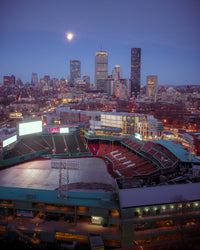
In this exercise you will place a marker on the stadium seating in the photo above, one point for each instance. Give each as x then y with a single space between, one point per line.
132 143
71 144
93 147
80 143
125 162
60 146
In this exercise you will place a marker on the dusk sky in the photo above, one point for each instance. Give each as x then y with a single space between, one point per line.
32 37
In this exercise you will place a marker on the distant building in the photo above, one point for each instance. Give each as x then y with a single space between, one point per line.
152 86
75 70
119 87
9 80
34 79
6 80
12 80
102 84
80 85
117 73
135 71
47 79
86 79
19 82
101 66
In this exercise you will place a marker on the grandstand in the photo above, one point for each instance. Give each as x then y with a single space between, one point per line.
102 195
48 146
127 157
133 158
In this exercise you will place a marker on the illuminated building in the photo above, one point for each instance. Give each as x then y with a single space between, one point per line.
19 82
86 79
75 70
9 80
34 79
117 73
101 67
151 128
135 71
152 86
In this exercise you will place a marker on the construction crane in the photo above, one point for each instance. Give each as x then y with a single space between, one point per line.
132 103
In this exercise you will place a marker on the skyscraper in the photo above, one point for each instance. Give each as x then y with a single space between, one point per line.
9 80
19 82
34 79
152 86
101 66
75 70
135 71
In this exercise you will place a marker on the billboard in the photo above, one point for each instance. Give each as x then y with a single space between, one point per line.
138 136
28 128
54 130
64 130
10 140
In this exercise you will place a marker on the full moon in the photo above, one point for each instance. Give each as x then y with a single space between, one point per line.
70 36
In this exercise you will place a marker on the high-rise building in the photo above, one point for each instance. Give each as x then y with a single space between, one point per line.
6 80
117 73
47 79
19 82
152 86
9 80
135 71
34 79
12 80
86 79
101 66
75 70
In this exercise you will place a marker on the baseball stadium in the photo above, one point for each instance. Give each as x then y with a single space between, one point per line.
73 189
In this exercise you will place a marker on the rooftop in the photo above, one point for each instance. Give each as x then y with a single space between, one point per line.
147 196
178 150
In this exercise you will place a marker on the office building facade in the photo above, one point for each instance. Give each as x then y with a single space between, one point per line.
135 71
101 66
152 86
75 70
34 79
9 80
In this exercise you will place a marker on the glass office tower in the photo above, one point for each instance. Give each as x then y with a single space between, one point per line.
135 71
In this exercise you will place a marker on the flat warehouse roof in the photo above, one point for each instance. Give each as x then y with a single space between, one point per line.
147 196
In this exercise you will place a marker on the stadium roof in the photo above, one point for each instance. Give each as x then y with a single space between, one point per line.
178 150
148 196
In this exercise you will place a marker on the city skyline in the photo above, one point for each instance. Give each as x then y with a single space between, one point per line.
33 38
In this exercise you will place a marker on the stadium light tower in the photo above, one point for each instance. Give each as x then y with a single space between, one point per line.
64 164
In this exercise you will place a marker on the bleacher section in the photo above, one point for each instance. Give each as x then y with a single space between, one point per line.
129 164
133 144
60 145
80 143
93 148
125 162
161 154
55 144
